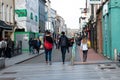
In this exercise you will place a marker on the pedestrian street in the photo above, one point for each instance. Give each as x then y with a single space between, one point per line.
58 71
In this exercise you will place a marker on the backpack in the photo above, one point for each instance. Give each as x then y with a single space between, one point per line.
34 43
48 45
63 41
38 43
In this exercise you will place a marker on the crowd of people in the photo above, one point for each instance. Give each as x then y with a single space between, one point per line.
61 42
34 45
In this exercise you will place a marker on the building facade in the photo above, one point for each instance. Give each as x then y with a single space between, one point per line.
42 15
6 18
48 15
27 15
27 22
111 28
103 28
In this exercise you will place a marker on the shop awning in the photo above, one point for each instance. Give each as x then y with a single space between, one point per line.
5 26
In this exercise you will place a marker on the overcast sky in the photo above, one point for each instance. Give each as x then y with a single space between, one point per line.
69 10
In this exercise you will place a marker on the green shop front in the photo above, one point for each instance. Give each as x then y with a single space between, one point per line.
111 28
24 37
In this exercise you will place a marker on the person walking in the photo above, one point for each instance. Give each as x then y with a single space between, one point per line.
48 45
64 44
78 40
84 47
9 48
31 45
38 45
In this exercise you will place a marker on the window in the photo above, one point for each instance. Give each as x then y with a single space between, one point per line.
36 18
31 16
11 14
7 14
3 12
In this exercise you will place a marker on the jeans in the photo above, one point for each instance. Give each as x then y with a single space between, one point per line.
48 54
63 50
85 55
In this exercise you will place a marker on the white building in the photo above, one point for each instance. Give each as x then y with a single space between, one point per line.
6 18
48 15
27 15
53 20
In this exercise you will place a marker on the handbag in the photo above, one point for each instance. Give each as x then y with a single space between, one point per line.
48 45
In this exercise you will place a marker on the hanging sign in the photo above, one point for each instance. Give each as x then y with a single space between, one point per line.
95 1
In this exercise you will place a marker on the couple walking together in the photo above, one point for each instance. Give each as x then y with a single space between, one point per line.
48 45
34 45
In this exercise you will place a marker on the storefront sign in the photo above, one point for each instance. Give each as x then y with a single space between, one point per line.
21 12
95 1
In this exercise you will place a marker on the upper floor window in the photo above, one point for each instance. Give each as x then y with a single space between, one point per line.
3 12
11 14
7 14
31 16
36 19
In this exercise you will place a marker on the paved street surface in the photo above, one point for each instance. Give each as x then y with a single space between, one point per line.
20 58
92 57
37 69
58 71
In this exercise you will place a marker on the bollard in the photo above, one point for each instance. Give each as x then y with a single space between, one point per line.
115 54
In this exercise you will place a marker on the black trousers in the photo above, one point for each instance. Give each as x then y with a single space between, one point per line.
8 52
85 55
63 50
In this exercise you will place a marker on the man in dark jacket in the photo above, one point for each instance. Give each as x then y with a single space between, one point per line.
64 44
